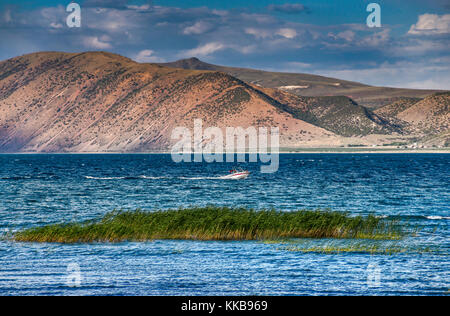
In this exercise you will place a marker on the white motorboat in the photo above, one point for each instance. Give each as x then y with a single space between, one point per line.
237 174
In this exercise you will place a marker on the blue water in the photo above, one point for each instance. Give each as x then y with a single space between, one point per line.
42 189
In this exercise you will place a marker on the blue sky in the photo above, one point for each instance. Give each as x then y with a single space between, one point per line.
410 49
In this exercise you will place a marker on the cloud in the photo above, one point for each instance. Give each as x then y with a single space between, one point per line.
258 33
204 50
420 47
267 33
219 12
198 28
249 49
347 35
148 56
425 74
95 42
377 39
144 7
231 37
291 8
435 83
429 24
116 4
287 33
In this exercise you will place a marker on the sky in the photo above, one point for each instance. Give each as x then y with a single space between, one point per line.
410 49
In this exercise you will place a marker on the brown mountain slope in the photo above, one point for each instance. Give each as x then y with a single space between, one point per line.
430 115
399 105
101 102
427 119
309 85
427 116
338 114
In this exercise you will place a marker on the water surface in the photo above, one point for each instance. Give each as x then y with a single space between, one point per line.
42 189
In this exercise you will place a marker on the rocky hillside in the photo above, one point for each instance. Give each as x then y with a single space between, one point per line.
102 102
338 114
426 117
392 109
91 102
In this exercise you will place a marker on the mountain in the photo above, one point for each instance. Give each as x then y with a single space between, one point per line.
338 114
103 102
430 115
428 118
397 106
309 85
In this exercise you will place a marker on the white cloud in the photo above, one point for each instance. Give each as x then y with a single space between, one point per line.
112 20
250 39
143 7
198 28
417 75
265 33
148 56
287 32
204 50
220 12
346 35
258 33
94 42
438 84
419 47
377 39
246 49
431 24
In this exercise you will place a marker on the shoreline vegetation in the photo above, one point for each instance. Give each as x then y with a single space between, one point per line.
214 223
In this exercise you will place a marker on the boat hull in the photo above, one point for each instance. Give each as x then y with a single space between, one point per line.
236 176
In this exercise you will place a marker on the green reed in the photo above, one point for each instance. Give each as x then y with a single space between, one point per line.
214 223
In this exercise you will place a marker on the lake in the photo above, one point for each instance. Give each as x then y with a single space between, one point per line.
53 188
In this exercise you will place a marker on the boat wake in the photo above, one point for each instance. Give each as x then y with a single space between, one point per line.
437 217
124 178
104 178
153 178
198 178
157 178
415 217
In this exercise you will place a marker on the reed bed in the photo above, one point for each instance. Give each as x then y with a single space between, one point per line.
352 246
213 223
334 246
362 249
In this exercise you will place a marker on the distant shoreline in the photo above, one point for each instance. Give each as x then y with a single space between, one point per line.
331 150
367 150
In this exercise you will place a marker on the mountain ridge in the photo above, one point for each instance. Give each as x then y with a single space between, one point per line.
303 84
103 102
100 102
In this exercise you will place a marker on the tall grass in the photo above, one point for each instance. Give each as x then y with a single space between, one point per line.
213 223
